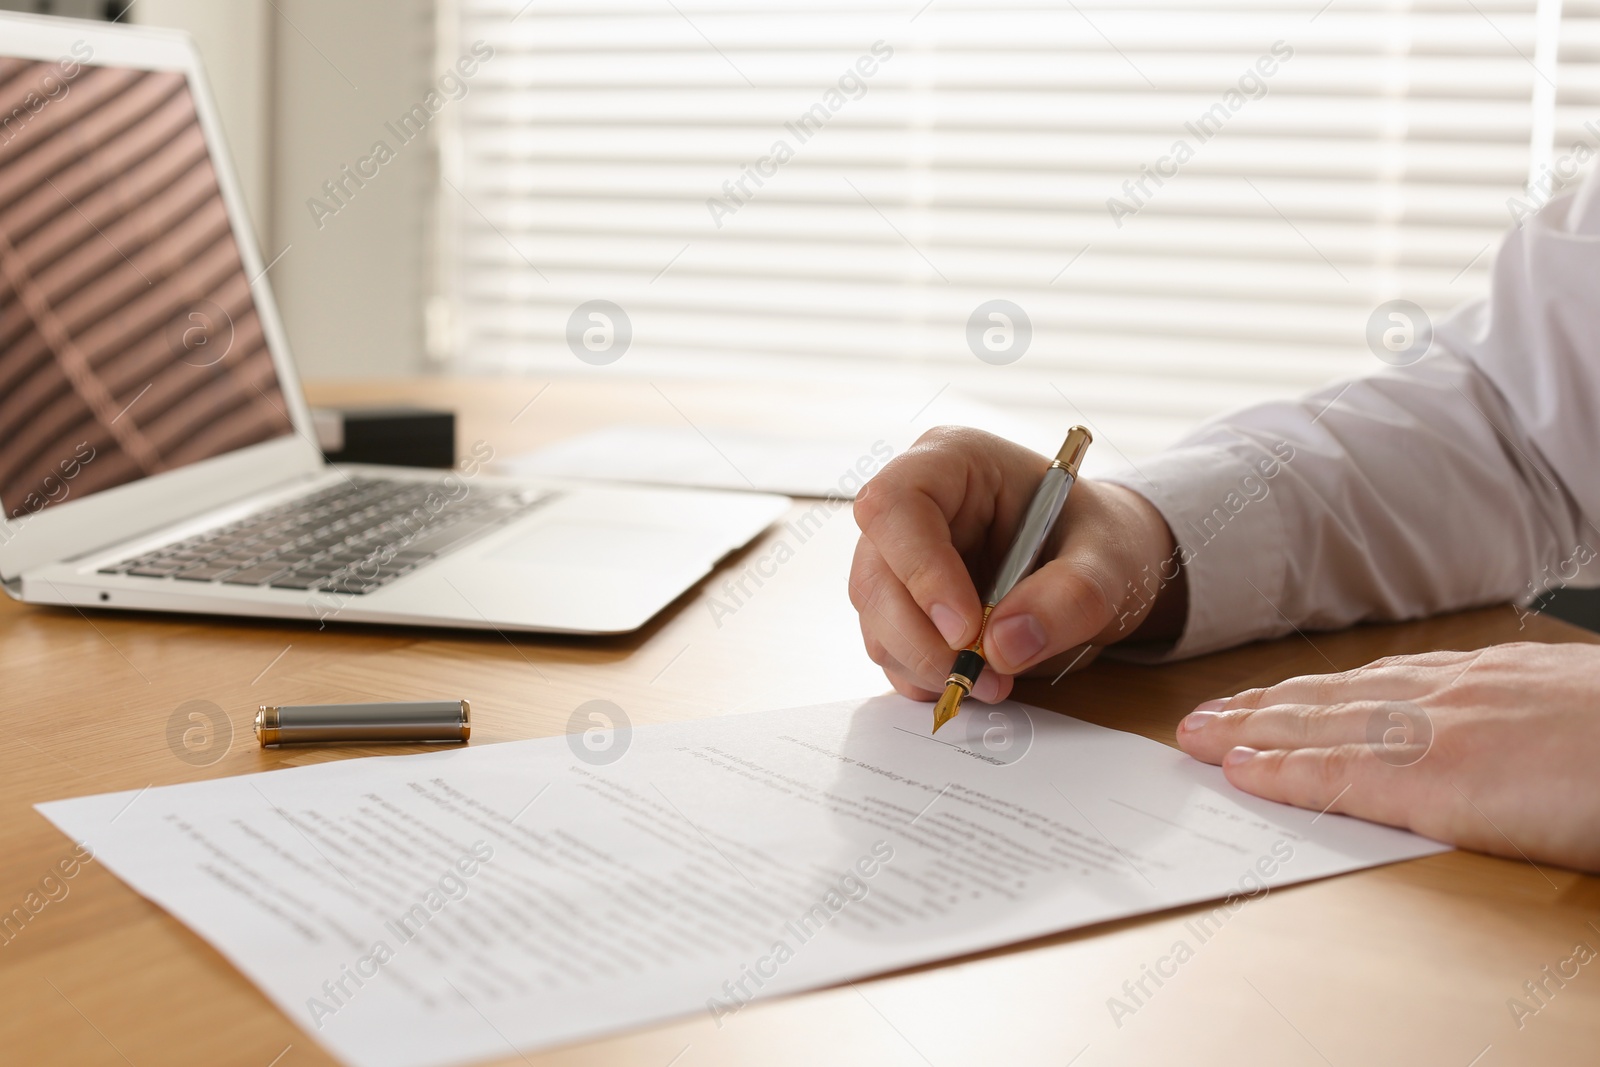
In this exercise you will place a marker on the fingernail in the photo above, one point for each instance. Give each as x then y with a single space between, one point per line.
987 688
1212 705
1239 755
948 623
1196 720
1017 639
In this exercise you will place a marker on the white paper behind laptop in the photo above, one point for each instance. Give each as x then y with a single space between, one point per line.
834 457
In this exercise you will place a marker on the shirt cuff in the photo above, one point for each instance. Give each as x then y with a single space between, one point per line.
1222 503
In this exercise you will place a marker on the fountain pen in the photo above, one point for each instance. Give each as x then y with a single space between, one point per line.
1037 523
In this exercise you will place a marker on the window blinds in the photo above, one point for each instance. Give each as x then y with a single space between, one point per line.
1182 206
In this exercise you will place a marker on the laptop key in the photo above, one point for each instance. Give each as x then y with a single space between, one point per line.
437 541
354 586
154 571
209 572
255 575
299 580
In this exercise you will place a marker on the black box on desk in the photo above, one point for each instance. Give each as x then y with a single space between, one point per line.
395 435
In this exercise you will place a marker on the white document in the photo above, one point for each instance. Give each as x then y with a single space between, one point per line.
446 907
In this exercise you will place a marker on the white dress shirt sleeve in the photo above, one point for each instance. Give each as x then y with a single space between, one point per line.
1471 477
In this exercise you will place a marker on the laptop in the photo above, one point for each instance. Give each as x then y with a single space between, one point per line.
156 452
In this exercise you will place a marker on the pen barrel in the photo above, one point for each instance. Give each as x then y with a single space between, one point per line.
1037 522
421 720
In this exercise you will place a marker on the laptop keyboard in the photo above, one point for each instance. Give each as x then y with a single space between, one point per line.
353 537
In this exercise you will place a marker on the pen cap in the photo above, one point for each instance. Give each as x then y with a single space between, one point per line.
421 720
1073 448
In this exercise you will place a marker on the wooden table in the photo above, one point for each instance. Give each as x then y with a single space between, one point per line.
1412 963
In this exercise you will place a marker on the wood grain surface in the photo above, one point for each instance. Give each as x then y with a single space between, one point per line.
1409 964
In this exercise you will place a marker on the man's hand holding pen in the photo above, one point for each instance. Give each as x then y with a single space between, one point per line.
946 512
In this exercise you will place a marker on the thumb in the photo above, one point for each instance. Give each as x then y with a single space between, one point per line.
1059 606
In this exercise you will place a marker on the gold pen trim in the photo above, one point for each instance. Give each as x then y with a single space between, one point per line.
267 725
1072 450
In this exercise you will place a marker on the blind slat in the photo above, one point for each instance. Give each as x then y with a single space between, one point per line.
625 151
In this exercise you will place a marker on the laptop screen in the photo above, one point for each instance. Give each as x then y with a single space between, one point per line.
129 341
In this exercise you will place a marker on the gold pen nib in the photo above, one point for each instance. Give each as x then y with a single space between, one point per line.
948 704
963 675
